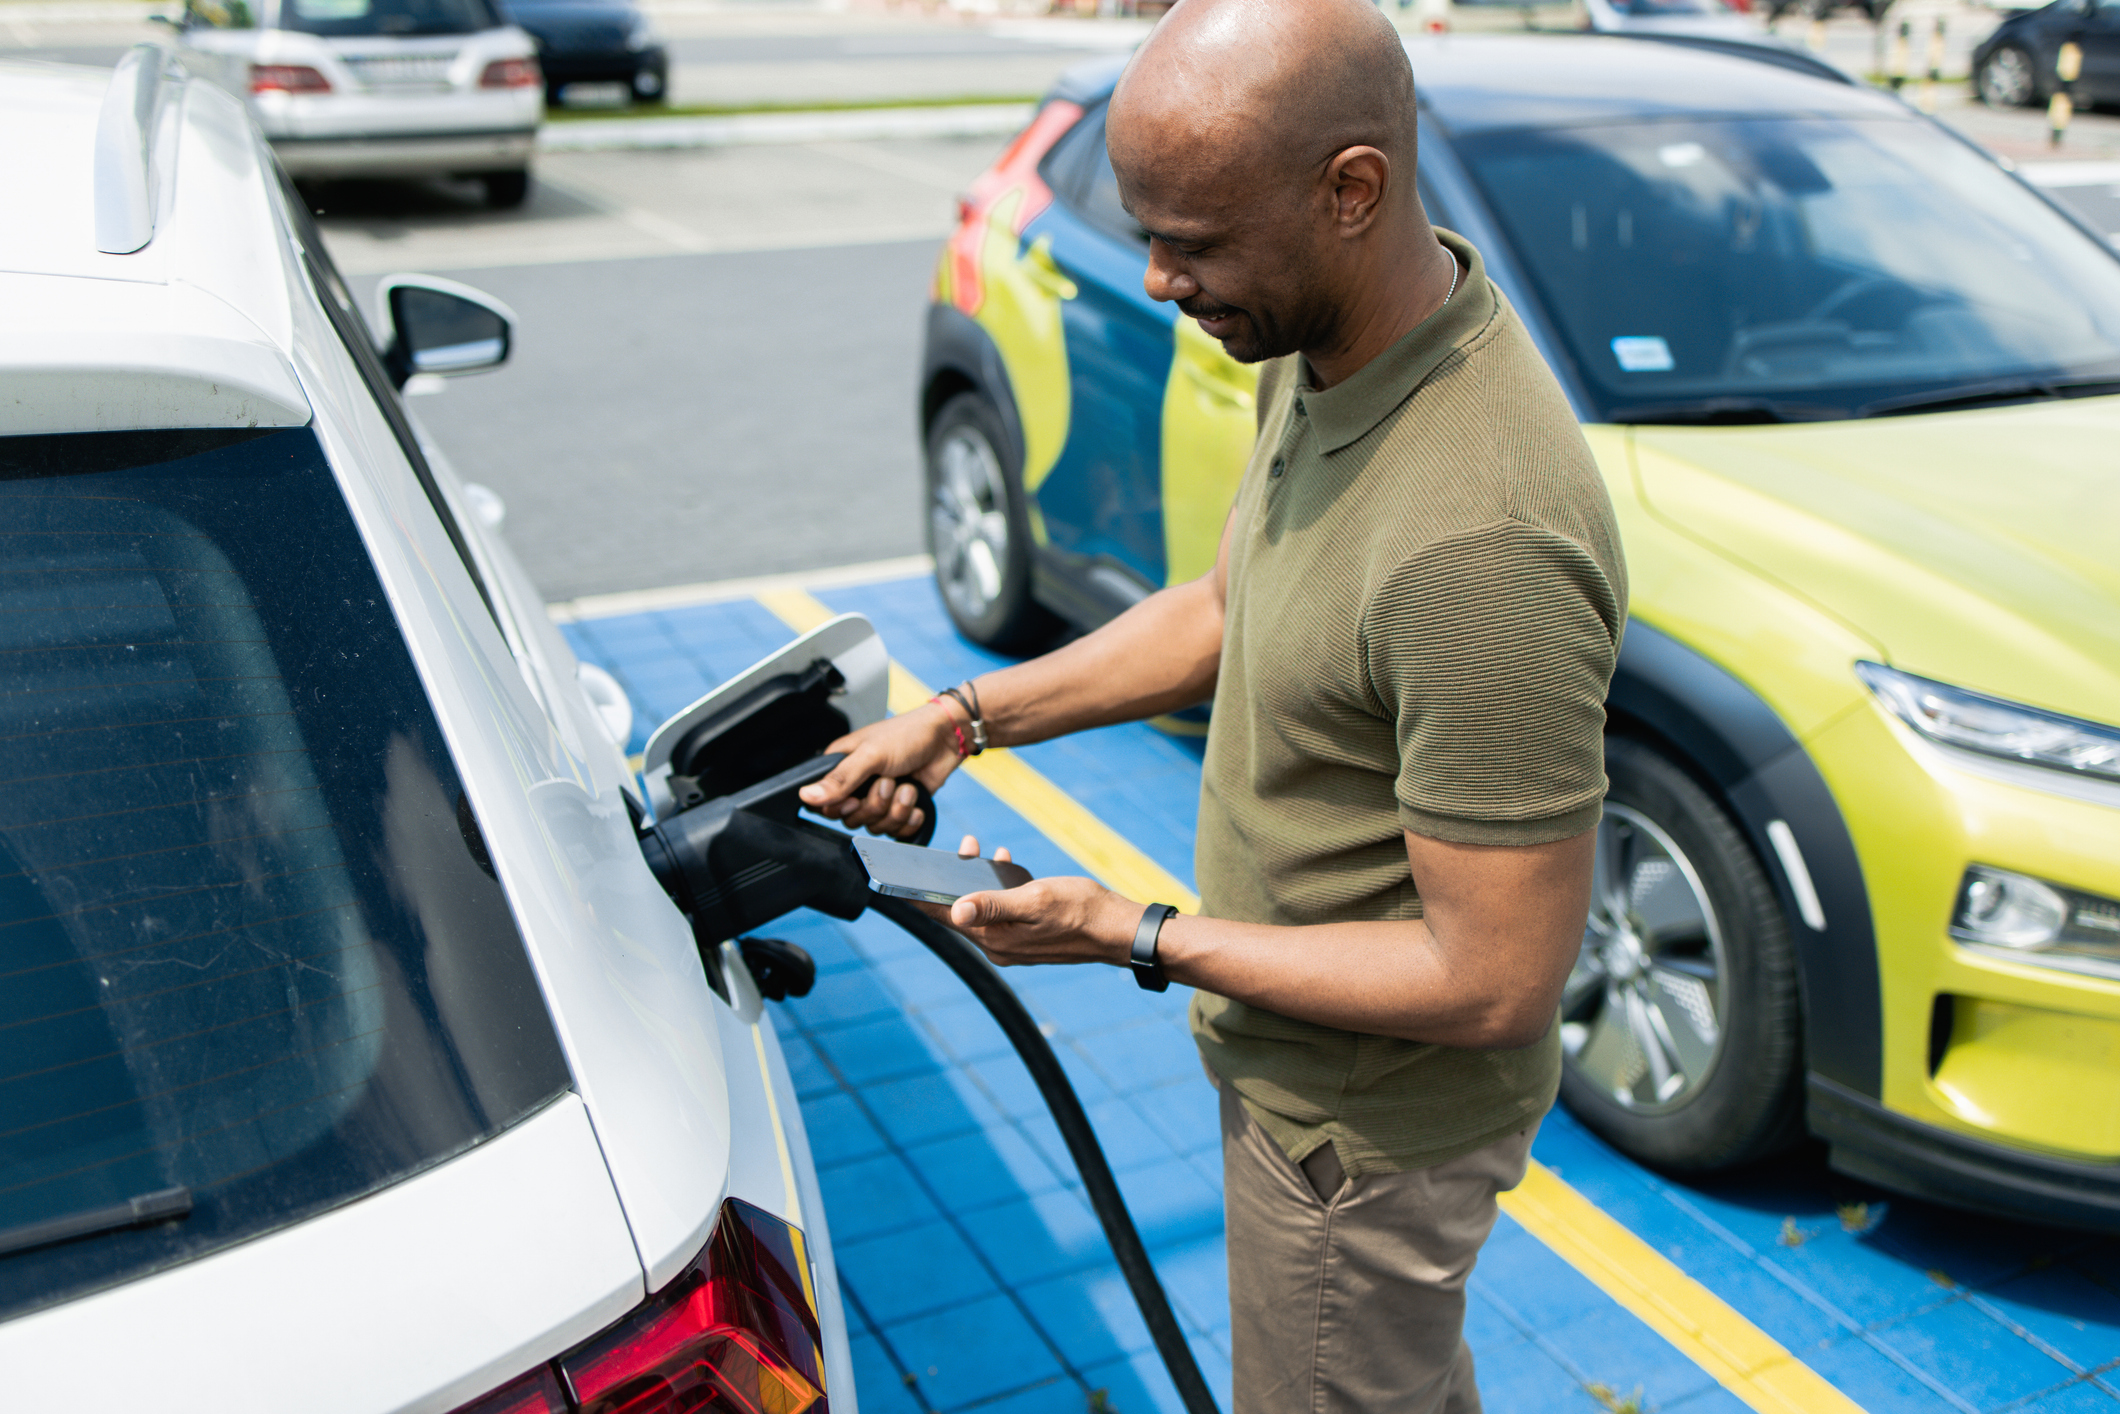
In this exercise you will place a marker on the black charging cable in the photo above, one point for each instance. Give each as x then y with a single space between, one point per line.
963 958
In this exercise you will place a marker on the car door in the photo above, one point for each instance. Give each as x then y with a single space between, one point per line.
1101 504
2100 38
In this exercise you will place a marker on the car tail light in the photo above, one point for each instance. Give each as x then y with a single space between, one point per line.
512 73
735 1333
287 78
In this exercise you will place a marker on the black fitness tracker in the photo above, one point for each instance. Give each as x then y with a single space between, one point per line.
1147 971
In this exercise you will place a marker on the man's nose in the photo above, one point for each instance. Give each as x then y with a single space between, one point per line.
1165 279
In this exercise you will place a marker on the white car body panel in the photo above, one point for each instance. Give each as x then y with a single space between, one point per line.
461 1277
416 1298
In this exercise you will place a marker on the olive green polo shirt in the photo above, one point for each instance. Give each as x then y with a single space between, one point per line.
1426 594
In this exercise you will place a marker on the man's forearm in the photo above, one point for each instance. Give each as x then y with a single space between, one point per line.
1158 656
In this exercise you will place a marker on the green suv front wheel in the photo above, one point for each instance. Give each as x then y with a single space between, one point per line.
1680 1023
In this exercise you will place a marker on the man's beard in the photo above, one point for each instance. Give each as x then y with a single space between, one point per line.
1258 337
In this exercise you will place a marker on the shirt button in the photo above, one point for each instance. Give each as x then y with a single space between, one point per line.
1277 468
1301 411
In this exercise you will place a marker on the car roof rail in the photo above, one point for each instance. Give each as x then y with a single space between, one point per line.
130 161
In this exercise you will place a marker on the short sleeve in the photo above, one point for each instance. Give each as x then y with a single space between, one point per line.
1492 651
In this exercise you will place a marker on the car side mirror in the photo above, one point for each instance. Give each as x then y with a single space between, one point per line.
438 326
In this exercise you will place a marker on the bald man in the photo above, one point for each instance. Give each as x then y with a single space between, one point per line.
1407 635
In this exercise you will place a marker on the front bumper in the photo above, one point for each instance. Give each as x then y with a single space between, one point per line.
1872 1143
406 154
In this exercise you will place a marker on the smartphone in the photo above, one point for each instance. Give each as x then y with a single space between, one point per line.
934 875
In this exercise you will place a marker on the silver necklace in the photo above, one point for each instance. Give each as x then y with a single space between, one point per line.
1453 277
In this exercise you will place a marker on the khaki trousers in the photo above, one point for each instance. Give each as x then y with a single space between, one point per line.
1347 1296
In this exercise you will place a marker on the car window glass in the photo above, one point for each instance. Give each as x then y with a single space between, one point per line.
1815 266
220 14
363 17
251 942
1080 170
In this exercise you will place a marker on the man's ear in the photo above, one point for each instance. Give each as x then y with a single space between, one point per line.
1358 178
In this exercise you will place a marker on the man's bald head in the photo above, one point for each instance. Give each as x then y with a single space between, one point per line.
1267 147
1271 85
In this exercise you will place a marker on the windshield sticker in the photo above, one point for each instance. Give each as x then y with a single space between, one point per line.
1642 353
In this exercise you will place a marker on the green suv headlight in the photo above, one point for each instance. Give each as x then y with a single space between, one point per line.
2030 920
1973 721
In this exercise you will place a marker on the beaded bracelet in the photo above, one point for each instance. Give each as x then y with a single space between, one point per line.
964 748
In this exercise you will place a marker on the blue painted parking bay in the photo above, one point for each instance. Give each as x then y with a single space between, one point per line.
976 1276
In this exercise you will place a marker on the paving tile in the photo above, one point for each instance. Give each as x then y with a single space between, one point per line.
2075 1397
1143 1056
973 1352
920 1108
1089 1314
1486 1328
1712 1400
1523 1379
1972 1354
978 1170
2065 1309
873 1196
838 1129
1612 1347
1196 1278
841 998
1170 1203
885 1048
912 1272
1055 1396
1031 1238
806 1071
965 1031
1139 1384
878 1387
1876 1383
1009 1083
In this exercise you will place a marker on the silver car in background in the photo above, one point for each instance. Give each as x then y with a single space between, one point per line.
378 88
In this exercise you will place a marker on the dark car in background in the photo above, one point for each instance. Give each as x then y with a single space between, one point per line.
594 41
2016 64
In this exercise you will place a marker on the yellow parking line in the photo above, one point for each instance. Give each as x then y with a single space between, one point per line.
1097 847
1743 1358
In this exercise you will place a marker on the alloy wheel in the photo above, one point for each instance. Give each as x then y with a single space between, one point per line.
2006 78
969 514
1642 1013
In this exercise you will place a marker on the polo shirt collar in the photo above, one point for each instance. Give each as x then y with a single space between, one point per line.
1347 411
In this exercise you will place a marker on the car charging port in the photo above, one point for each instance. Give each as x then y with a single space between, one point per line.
735 854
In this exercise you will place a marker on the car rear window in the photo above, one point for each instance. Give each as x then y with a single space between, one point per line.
253 956
358 17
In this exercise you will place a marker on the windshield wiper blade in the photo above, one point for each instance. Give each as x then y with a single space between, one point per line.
1723 412
1994 390
164 1205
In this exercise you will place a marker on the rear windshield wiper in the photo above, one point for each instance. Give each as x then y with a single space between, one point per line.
1723 412
165 1205
1996 390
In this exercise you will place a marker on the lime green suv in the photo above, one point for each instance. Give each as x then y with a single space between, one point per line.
1859 870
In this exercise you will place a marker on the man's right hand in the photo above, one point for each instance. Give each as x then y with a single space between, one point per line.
890 755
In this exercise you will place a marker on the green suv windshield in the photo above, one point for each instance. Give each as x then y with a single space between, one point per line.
253 959
1795 268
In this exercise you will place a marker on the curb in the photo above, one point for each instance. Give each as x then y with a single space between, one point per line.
726 130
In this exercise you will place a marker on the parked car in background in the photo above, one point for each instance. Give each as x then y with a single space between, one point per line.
595 41
2017 63
1848 381
1708 18
378 88
351 1057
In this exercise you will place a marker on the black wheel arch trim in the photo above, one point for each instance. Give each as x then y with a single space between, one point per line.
958 355
1869 1142
1726 732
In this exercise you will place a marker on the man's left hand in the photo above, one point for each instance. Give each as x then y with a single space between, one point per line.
1044 921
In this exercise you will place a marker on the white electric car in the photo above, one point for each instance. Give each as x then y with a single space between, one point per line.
379 88
351 1058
